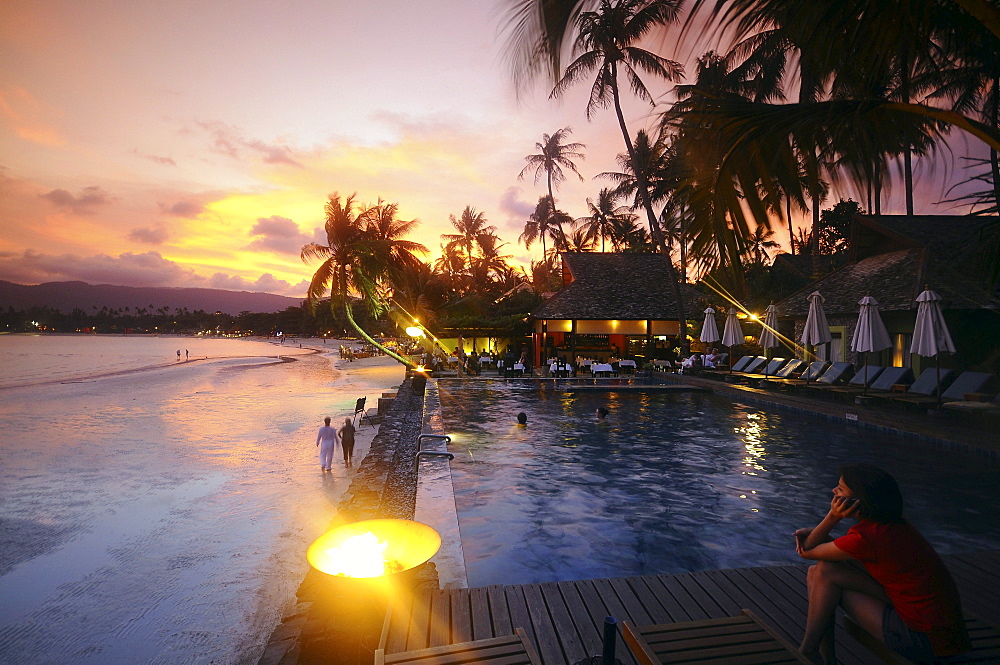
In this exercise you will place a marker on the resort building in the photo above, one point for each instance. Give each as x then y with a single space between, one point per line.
612 305
893 258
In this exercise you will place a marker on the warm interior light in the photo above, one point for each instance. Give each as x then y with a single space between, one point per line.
414 331
373 548
420 368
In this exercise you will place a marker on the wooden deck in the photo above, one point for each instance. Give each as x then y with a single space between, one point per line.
565 619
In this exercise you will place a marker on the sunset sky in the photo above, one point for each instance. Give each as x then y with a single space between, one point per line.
194 143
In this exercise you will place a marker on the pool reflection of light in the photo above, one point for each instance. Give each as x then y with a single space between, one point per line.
753 442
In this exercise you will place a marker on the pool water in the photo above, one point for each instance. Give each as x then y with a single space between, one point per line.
674 482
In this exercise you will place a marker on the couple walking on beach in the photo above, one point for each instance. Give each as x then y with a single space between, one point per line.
327 439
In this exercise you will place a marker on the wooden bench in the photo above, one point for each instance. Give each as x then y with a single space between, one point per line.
739 640
509 650
985 644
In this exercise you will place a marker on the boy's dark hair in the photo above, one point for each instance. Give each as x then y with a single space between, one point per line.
602 412
522 418
327 420
881 500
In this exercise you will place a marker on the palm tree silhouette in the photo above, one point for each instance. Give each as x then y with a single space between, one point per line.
603 215
544 222
553 155
606 43
362 254
470 226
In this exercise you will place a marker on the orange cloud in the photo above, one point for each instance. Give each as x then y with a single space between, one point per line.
25 116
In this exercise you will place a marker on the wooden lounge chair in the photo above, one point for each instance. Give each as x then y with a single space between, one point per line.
742 640
966 383
984 410
985 644
510 650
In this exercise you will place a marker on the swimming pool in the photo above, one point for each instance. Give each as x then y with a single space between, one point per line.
673 482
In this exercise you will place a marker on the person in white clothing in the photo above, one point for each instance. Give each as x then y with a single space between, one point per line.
326 439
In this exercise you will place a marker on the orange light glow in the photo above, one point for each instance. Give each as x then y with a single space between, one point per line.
373 548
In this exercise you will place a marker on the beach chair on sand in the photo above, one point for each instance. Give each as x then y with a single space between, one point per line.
514 649
359 407
985 644
740 639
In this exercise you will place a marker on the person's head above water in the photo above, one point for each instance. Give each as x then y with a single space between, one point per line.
327 421
522 418
602 413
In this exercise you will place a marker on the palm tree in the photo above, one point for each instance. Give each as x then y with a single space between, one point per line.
603 215
553 155
605 42
580 240
355 260
544 222
759 243
470 226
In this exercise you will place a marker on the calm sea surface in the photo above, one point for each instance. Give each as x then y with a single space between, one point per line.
156 511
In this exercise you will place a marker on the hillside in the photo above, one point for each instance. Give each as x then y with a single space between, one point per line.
65 296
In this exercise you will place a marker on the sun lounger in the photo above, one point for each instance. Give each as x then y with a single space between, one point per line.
811 373
887 378
742 363
739 639
978 409
771 369
966 383
755 365
985 640
510 650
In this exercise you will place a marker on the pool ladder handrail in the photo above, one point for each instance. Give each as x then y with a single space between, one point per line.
436 437
431 453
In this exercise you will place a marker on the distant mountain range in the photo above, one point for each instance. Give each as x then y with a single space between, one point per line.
65 296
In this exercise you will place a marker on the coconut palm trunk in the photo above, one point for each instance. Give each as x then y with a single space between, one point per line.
654 226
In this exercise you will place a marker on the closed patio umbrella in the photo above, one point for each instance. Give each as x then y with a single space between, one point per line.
732 334
870 333
709 330
930 333
817 330
769 331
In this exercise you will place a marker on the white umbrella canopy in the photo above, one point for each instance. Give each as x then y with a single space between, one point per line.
817 330
768 333
732 334
930 333
870 333
709 330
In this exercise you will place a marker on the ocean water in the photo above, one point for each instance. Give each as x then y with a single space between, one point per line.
156 511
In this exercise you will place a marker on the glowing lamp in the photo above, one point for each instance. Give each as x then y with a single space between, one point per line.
414 331
373 548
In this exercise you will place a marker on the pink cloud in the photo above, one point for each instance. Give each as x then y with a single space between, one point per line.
151 235
277 234
81 204
230 141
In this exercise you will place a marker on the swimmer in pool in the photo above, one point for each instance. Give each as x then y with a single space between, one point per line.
522 419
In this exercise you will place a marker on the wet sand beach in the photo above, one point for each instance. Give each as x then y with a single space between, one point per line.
161 515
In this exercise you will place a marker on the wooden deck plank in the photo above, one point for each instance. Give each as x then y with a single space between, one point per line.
566 629
548 643
607 593
440 625
671 610
590 632
416 636
461 615
519 617
399 623
691 608
499 612
564 620
479 613
629 601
